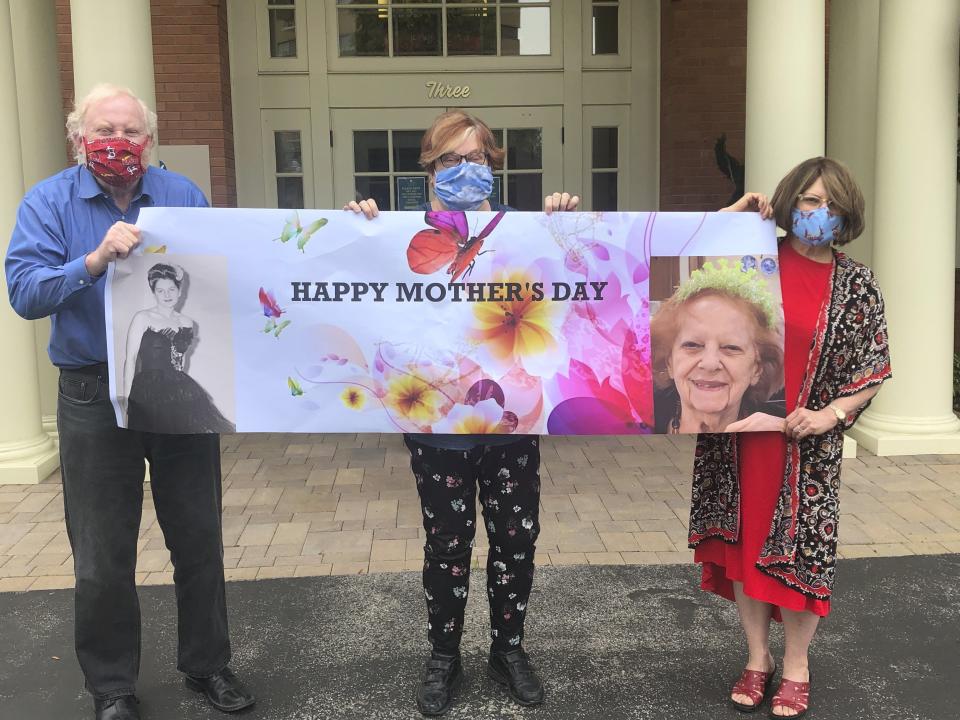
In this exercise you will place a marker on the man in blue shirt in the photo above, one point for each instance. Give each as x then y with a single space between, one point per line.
69 228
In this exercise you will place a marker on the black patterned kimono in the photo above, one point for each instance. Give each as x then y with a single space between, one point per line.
849 353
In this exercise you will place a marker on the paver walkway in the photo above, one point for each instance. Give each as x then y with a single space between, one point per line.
305 505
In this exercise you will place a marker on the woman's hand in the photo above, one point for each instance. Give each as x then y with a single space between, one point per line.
560 202
803 422
757 422
752 202
368 207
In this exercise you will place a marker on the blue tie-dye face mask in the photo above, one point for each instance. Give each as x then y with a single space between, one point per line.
464 186
817 227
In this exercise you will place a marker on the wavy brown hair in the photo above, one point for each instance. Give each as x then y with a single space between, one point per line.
448 131
841 188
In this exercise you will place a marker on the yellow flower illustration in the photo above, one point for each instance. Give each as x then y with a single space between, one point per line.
354 398
513 330
414 399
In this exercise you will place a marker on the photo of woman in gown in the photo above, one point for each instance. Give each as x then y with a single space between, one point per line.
161 396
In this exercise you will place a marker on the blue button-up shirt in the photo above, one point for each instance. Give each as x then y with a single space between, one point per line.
60 221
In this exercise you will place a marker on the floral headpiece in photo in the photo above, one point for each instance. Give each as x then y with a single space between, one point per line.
731 279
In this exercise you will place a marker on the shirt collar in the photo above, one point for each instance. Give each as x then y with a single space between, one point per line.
90 188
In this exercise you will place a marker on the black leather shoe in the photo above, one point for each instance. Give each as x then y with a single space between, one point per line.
118 708
223 689
442 675
513 670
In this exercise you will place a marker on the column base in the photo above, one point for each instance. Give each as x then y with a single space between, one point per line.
897 435
849 447
28 462
49 423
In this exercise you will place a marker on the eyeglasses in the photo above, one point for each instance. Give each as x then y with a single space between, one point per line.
807 201
452 159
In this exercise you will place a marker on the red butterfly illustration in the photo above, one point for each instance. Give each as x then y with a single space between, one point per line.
448 242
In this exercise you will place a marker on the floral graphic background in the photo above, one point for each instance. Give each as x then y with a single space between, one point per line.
379 362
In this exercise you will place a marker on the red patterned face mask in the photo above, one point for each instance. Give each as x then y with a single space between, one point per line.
116 161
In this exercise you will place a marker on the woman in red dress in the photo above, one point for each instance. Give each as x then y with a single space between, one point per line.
764 513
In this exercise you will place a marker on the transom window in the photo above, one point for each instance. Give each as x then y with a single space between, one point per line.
282 21
405 28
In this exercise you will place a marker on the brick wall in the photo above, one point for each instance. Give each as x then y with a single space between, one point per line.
703 80
192 75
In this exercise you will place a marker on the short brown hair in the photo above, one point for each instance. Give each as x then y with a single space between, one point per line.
665 325
841 187
447 131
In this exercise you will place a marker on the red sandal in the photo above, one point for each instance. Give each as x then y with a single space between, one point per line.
754 684
792 695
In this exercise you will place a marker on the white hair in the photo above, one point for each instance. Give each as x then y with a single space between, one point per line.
76 128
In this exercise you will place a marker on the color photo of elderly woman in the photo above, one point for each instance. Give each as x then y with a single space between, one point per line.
717 352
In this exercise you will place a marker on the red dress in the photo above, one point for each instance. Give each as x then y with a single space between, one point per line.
762 455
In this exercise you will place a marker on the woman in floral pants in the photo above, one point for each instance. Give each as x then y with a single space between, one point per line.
508 479
460 152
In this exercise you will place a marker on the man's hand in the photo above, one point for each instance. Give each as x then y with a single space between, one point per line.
120 239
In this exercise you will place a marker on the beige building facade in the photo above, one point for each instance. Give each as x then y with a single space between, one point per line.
329 98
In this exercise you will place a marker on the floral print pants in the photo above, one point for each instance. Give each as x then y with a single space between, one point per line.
508 478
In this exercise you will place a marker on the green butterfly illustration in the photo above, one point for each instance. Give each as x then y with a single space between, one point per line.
294 386
294 230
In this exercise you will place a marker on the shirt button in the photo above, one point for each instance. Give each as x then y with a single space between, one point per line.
82 282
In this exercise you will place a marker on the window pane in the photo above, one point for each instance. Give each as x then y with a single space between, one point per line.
362 32
287 144
525 192
524 31
377 188
416 32
283 33
290 192
406 150
472 31
605 30
498 136
524 149
370 151
604 191
605 147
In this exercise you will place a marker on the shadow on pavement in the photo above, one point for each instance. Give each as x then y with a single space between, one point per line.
611 642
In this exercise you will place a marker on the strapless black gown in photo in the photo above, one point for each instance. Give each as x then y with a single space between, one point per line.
163 398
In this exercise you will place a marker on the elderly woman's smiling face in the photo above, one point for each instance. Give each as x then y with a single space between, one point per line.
714 358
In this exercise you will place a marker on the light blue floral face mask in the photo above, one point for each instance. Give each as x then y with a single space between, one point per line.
464 186
816 227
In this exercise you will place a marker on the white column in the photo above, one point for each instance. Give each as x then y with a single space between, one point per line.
786 76
27 455
915 226
852 101
41 126
124 58
785 88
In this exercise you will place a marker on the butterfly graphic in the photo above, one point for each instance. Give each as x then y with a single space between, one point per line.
292 229
272 311
449 242
294 386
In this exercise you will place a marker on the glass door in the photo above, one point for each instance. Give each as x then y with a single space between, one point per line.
375 155
533 165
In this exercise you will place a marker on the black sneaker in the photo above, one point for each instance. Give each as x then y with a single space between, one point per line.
442 675
513 670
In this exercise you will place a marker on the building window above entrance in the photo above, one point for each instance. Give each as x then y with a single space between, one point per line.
411 28
282 22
